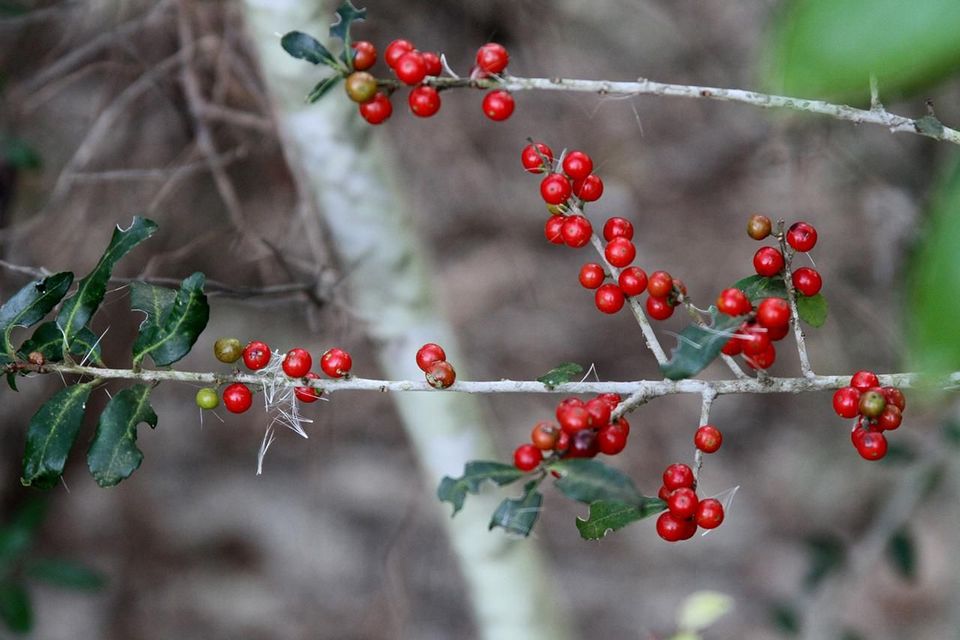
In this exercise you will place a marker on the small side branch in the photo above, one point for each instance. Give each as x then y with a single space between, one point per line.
788 254
709 395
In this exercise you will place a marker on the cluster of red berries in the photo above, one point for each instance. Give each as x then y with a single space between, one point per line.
412 67
585 429
432 360
769 261
569 184
685 511
237 397
877 409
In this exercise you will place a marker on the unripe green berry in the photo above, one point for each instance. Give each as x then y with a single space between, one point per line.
207 398
227 350
759 227
360 86
872 404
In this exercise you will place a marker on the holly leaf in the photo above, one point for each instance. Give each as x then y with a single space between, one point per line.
475 473
78 309
610 515
902 553
176 332
305 47
113 454
758 287
699 345
323 87
561 373
15 609
518 515
347 14
812 309
20 155
51 434
152 300
48 339
18 534
590 480
29 305
64 574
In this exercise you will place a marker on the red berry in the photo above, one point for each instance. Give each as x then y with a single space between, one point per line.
588 189
846 402
617 228
895 397
664 493
410 68
599 412
544 436
577 165
256 355
297 363
632 281
807 281
533 155
609 298
755 340
441 374
708 438
773 313
801 236
573 418
683 503
759 227
424 101
577 231
733 302
432 60
563 442
364 55
395 51
660 284
568 402
872 403
762 360
864 380
428 354
659 308
890 418
492 58
377 110
709 513
733 347
308 394
555 188
553 229
498 105
778 333
622 424
612 399
583 444
768 261
591 275
527 457
336 363
620 252
678 475
611 440
237 398
673 529
871 445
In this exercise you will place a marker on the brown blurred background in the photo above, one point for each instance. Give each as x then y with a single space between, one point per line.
340 538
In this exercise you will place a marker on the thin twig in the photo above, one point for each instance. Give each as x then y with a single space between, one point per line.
788 254
709 395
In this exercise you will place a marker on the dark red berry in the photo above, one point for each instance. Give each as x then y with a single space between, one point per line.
801 236
237 398
659 308
890 418
573 418
441 375
336 363
617 228
563 442
498 105
732 347
664 493
673 529
555 188
622 424
577 231
553 229
583 444
492 58
773 313
871 445
588 189
428 354
733 302
708 438
611 440
768 261
620 252
683 503
599 412
660 284
378 109
395 50
612 399
410 68
434 65
755 340
544 436
527 457
592 275
424 101
364 55
256 355
577 165
759 227
609 298
297 363
308 394
709 513
678 475
762 360
807 281
632 281
895 397
533 155
864 380
846 402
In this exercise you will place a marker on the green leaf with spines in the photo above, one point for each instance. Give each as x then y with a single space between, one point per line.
64 574
812 309
48 339
30 304
322 88
113 455
15 609
475 473
347 14
77 311
902 553
153 300
178 330
699 345
560 374
610 515
518 515
51 434
588 481
306 47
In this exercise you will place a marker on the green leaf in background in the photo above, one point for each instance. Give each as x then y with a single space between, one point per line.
154 301
698 346
933 304
15 609
829 48
785 618
588 481
347 14
17 535
826 554
322 88
475 473
561 373
64 574
812 309
51 434
113 454
610 515
177 331
29 305
902 553
18 154
300 45
702 609
48 340
78 309
518 515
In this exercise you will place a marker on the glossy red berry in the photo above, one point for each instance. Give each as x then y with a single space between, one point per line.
768 261
237 398
308 394
733 302
620 252
533 155
441 375
577 165
336 363
378 109
553 229
555 188
864 380
256 355
846 402
395 51
871 445
755 340
622 424
708 438
709 513
588 189
611 440
527 457
573 418
599 411
678 475
632 281
801 236
660 284
591 275
544 436
424 101
664 493
895 397
773 313
428 354
364 55
297 363
434 65
890 418
410 68
492 58
659 308
609 298
807 281
733 347
763 359
778 333
583 444
673 529
617 227
872 403
577 231
612 399
498 105
683 503
759 227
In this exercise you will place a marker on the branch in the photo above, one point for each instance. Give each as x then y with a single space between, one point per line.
788 255
709 395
